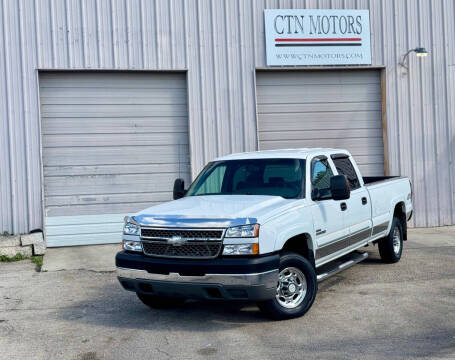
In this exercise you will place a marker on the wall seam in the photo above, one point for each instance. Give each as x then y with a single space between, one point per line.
242 86
97 35
435 130
215 81
27 171
83 27
9 125
446 98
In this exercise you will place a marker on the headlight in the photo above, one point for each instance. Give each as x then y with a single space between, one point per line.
249 231
131 245
130 228
241 249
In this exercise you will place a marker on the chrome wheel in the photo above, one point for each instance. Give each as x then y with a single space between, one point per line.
291 288
396 240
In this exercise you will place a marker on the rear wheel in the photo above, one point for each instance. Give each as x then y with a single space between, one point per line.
391 246
296 288
159 301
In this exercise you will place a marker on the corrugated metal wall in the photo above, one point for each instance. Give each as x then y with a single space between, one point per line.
221 43
337 108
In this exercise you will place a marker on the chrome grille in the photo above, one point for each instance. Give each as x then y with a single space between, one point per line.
182 243
187 234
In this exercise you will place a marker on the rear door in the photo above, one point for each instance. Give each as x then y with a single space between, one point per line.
328 217
358 206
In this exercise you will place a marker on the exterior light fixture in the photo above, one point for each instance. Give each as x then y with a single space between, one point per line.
420 51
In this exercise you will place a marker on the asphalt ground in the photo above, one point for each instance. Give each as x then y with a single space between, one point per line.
370 311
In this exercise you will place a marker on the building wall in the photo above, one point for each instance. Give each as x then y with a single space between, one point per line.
221 43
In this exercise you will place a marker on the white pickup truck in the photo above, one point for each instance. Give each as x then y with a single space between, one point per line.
263 226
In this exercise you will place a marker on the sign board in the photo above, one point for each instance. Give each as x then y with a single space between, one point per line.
317 37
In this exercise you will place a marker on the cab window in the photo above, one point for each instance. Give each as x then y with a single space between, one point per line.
320 178
345 167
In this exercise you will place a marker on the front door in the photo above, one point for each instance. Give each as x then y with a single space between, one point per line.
328 216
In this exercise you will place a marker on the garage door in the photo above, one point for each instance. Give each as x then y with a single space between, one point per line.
334 108
112 145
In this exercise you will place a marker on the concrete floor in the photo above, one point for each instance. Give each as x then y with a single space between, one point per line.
370 311
94 257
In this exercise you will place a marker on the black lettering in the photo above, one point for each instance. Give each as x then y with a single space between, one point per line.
314 26
298 24
276 28
350 24
343 24
289 23
325 24
334 18
359 24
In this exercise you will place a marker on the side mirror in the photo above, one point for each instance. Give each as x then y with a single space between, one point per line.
179 188
315 194
339 187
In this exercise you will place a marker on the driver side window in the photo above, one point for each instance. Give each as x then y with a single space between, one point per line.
320 178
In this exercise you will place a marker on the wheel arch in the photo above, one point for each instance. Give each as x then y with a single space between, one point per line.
399 211
301 244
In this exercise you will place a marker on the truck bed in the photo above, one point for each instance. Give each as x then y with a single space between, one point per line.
375 179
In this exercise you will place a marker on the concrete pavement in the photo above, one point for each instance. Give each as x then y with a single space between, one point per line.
94 257
371 311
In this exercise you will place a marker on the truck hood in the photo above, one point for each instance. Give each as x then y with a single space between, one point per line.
213 211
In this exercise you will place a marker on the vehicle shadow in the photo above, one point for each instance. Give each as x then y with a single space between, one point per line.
111 306
373 255
114 307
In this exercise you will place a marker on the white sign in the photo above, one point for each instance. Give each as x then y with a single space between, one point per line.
317 37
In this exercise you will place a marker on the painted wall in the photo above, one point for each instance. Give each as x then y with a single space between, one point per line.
221 43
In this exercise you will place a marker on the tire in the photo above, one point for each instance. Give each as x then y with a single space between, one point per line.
391 246
300 302
160 302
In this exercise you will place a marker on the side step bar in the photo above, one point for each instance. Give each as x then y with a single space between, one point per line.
341 264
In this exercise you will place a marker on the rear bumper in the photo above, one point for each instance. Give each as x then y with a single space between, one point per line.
229 279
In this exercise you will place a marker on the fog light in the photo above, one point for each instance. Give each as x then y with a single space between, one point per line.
132 245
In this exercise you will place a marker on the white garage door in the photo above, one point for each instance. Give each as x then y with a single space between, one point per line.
112 144
334 108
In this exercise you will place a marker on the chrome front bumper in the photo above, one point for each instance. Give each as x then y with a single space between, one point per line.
251 287
242 278
268 278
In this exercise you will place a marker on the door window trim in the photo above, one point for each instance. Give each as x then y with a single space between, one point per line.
310 173
346 156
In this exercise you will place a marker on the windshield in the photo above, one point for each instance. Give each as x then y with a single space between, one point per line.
277 177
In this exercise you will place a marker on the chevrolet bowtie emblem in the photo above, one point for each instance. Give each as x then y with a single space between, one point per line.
176 240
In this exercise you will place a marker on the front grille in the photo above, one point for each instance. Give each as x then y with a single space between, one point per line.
191 243
202 249
186 234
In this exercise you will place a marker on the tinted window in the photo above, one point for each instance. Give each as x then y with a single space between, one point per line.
213 182
280 177
320 178
345 167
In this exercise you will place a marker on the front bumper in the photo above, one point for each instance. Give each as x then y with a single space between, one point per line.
229 279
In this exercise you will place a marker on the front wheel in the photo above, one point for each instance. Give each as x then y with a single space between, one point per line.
391 246
159 302
296 288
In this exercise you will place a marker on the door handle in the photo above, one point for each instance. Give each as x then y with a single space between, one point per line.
364 201
343 206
